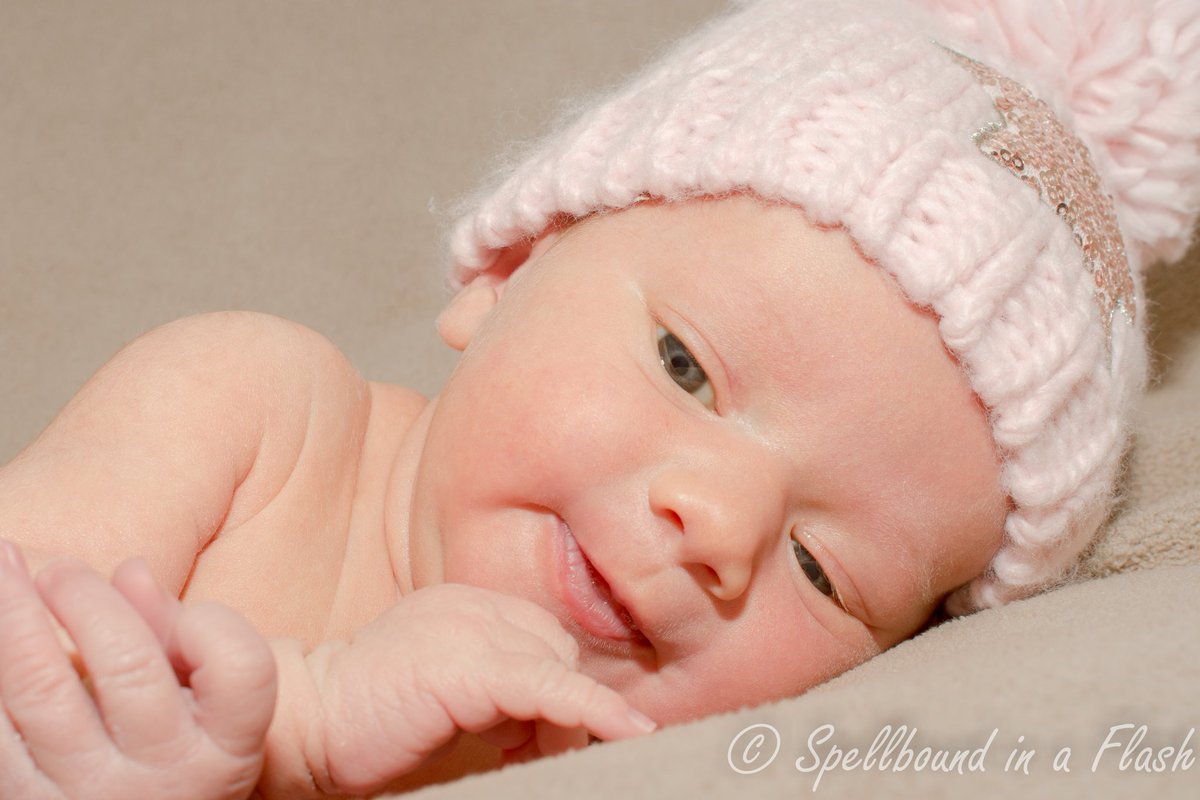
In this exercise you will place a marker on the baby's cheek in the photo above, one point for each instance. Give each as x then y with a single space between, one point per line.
789 657
598 422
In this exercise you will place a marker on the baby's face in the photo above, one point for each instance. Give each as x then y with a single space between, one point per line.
794 491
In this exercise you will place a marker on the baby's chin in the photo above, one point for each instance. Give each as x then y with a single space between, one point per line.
666 696
620 664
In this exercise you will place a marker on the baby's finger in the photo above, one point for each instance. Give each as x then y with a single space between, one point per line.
504 614
38 685
540 622
526 687
553 739
160 610
521 754
232 675
19 775
547 740
509 734
573 700
135 687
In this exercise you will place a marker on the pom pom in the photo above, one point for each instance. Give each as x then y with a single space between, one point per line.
1126 75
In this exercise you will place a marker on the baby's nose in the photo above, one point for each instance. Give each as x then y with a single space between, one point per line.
726 519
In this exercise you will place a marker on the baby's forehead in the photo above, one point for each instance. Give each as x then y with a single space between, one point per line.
729 249
763 268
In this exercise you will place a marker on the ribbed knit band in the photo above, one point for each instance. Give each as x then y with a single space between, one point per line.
863 115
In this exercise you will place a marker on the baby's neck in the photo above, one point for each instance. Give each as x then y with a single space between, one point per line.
378 528
403 459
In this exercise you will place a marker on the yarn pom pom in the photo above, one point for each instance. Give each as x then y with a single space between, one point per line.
1127 75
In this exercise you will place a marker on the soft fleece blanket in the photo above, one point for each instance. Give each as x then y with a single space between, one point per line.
300 158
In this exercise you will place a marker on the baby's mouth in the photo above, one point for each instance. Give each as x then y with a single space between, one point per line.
588 595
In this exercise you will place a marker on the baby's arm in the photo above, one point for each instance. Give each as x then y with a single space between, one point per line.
188 431
184 435
178 699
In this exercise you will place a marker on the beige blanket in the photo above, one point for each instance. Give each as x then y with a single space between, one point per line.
300 158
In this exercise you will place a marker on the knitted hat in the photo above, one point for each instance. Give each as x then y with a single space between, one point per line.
1013 165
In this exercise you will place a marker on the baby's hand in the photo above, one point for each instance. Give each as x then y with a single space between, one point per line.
454 658
175 701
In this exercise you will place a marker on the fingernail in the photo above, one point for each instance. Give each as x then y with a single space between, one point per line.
10 557
641 720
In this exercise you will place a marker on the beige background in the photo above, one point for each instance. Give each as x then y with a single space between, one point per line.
160 158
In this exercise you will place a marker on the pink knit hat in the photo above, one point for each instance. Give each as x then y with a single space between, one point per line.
1014 165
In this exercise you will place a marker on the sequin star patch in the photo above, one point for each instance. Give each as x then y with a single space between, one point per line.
1033 145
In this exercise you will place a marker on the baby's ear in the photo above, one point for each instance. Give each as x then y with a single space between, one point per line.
467 310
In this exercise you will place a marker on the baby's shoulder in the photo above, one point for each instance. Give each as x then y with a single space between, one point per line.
305 409
246 347
319 401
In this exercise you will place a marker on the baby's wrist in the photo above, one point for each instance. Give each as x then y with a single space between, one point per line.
295 765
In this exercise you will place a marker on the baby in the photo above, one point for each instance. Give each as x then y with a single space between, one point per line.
822 324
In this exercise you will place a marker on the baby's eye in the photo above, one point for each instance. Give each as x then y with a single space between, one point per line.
813 571
683 367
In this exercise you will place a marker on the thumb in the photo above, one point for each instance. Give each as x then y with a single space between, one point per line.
231 671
